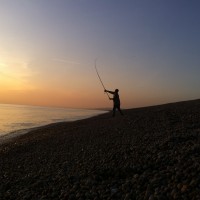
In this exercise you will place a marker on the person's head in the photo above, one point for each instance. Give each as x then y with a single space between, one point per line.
116 90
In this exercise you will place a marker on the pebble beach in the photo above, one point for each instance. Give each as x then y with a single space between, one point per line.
150 153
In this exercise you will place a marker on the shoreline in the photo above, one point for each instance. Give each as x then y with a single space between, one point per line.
149 153
14 134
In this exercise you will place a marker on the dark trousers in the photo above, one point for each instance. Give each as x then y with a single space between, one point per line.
117 107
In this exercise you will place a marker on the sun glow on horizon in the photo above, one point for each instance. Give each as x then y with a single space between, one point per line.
14 72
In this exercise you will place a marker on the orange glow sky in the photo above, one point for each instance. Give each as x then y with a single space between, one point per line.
149 51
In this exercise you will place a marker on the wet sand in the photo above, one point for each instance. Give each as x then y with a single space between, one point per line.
149 153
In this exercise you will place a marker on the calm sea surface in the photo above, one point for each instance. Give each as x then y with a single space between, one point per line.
16 119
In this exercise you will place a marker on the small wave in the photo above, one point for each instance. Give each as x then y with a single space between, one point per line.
23 124
57 120
10 135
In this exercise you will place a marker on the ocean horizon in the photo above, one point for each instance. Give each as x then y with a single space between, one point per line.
19 119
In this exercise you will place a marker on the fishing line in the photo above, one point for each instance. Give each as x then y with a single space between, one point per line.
100 78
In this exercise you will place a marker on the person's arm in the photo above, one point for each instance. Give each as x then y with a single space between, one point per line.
111 92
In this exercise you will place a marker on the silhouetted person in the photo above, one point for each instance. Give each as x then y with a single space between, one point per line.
116 101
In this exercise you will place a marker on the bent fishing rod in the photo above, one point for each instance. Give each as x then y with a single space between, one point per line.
100 79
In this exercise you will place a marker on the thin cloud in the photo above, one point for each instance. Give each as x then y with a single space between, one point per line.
66 61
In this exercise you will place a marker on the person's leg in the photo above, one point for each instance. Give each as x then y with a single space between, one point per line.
114 108
120 110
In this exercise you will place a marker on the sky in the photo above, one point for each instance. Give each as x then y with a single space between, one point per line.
148 49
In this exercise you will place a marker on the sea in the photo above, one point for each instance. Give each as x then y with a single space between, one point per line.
20 119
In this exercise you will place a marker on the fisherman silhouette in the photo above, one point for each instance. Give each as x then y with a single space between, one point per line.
116 101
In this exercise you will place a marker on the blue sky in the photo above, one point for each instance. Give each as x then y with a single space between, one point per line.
149 49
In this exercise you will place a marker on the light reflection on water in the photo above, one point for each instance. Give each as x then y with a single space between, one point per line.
19 117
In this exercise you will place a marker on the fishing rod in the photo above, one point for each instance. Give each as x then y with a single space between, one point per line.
100 78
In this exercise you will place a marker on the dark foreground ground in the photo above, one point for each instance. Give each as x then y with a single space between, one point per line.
150 153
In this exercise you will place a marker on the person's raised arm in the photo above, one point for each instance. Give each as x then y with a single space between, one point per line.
111 92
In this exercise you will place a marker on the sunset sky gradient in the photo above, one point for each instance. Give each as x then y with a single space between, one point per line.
149 50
